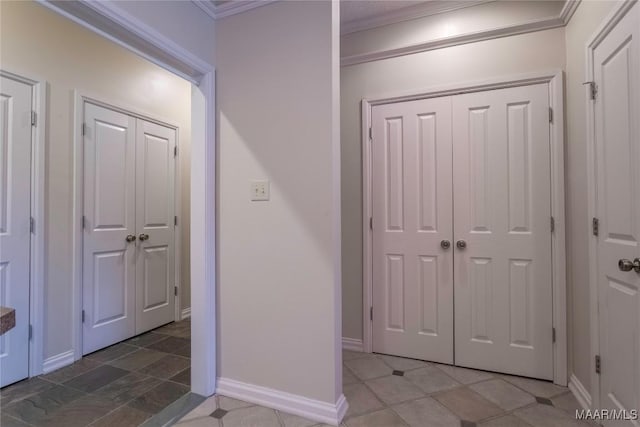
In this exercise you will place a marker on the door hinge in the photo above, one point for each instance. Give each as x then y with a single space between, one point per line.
370 134
175 220
34 118
553 334
175 151
597 364
84 222
82 316
370 223
553 224
175 291
371 313
550 115
30 332
593 90
84 129
32 225
595 225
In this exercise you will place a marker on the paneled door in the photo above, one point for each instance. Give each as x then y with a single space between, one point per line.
412 229
617 154
502 213
15 215
128 266
155 298
109 267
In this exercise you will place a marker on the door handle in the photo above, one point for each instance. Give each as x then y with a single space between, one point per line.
461 244
143 237
445 244
627 265
130 238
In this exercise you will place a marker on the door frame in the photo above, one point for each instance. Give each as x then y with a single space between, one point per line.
555 80
80 97
38 189
608 24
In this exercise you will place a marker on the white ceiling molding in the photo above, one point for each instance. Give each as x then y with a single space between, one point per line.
512 30
228 8
568 10
421 10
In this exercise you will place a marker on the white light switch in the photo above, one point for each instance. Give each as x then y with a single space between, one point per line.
259 190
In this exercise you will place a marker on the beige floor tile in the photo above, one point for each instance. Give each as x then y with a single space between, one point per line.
350 355
385 418
394 389
535 387
401 363
467 404
228 403
464 375
505 421
567 402
505 395
254 416
368 368
203 410
198 422
548 416
361 400
348 377
290 420
431 379
426 412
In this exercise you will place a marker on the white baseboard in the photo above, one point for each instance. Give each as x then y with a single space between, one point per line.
311 409
580 392
352 344
186 312
58 361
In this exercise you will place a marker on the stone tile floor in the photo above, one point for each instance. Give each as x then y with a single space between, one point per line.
122 385
387 391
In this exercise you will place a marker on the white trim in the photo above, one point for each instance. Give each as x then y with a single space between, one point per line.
555 80
58 361
311 409
37 244
568 10
186 313
352 344
408 13
473 37
601 32
579 392
229 8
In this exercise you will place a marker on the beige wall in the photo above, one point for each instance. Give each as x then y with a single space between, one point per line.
540 51
582 26
278 271
35 41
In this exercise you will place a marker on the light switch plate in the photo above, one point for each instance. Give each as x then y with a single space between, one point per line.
259 190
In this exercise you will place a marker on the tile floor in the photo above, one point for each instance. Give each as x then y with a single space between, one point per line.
387 391
122 385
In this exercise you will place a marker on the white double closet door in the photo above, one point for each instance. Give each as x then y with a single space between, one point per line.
128 235
461 230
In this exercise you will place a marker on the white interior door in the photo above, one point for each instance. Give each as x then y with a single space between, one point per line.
412 216
15 216
155 298
502 209
109 270
617 106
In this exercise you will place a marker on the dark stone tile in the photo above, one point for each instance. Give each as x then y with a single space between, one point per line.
184 351
166 367
159 397
99 377
111 353
138 359
180 329
183 377
23 389
127 388
145 340
544 401
78 368
80 412
398 373
8 421
465 423
38 406
175 411
218 413
122 417
170 344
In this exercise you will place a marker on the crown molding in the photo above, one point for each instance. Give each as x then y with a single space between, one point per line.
229 8
407 14
568 10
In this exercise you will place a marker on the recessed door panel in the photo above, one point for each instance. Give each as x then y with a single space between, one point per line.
395 174
156 261
110 287
158 159
15 213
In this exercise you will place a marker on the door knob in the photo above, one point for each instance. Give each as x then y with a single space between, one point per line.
130 238
143 237
627 265
461 244
445 244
